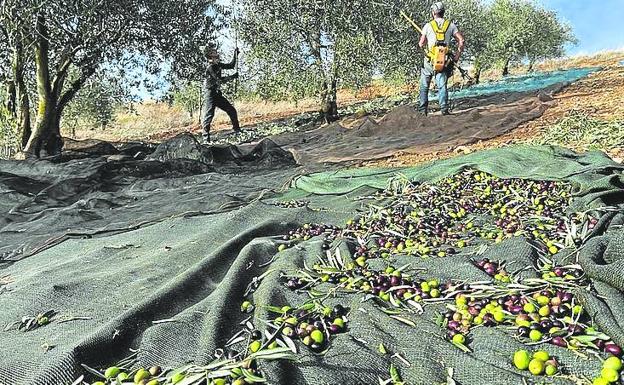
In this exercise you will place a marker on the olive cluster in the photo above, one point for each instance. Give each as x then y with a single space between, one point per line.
538 363
292 204
306 232
437 219
495 269
313 328
610 372
390 285
548 315
141 376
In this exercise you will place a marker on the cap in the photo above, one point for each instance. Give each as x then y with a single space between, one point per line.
437 7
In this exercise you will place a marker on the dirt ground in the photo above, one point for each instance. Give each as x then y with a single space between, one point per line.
600 95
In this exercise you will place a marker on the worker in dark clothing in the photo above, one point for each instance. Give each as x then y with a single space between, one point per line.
213 97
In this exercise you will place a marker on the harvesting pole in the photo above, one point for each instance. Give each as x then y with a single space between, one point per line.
235 43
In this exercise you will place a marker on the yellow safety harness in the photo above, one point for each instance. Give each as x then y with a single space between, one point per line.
439 53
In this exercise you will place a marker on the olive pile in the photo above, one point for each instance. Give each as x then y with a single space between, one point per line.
312 326
545 316
435 220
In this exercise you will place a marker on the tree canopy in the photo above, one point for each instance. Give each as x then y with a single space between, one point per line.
57 46
312 47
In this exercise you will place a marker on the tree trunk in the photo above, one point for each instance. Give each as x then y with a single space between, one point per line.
10 103
19 96
531 64
506 67
52 102
477 73
46 111
330 98
24 114
330 104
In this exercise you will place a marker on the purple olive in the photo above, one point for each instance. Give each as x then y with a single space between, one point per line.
559 341
613 349
339 310
516 309
546 324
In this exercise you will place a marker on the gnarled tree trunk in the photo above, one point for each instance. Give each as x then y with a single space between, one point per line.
506 67
52 100
19 101
329 100
47 105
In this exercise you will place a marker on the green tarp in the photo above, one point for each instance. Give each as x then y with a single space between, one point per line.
192 272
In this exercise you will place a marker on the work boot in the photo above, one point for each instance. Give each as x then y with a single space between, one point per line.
423 113
446 112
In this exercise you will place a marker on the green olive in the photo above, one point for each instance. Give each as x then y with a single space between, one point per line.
255 346
111 372
613 363
535 335
317 336
521 359
459 339
609 374
536 367
541 355
140 375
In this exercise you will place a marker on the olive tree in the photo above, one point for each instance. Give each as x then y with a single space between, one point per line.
313 47
60 45
523 30
550 36
96 102
187 94
474 20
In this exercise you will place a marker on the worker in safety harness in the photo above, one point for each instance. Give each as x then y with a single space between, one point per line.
439 60
213 97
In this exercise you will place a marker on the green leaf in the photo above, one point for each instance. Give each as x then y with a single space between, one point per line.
394 374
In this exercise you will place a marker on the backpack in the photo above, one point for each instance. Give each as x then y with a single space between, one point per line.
439 53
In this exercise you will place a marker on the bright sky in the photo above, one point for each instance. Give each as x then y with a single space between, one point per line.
597 24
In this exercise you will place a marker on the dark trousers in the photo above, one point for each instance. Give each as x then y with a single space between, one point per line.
212 100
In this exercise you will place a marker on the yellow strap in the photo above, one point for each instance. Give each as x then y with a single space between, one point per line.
440 32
